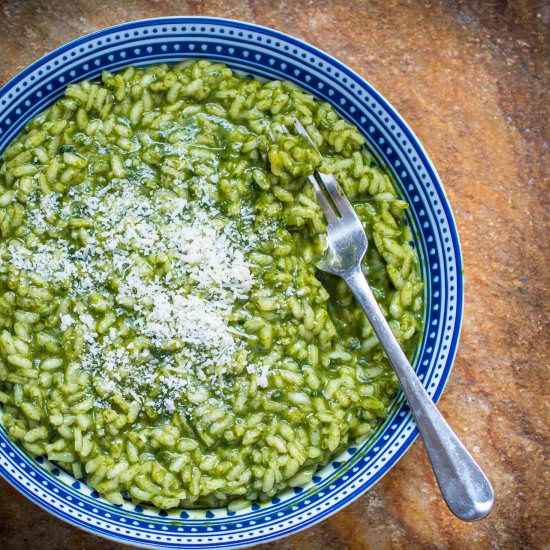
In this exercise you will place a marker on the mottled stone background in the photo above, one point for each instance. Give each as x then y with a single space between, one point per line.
471 78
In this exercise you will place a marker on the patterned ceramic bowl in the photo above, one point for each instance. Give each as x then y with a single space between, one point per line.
267 53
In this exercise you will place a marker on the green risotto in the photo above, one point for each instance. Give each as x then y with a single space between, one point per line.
164 331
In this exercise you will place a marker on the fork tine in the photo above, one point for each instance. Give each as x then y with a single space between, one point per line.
329 182
302 131
340 200
330 215
324 203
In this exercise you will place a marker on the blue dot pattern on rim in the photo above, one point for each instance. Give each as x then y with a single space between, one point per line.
262 52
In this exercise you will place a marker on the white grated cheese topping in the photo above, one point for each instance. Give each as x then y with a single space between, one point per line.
176 271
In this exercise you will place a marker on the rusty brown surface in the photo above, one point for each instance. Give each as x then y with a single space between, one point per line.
471 78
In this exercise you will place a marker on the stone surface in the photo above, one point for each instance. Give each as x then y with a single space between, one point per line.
471 78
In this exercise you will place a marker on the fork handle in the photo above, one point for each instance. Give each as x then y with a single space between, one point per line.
464 486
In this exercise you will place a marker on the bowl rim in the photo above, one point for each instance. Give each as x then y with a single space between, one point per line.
420 151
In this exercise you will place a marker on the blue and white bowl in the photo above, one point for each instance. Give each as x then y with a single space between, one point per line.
270 54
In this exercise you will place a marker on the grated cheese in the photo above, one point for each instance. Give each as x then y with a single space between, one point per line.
177 270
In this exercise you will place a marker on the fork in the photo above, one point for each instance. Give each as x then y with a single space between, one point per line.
465 488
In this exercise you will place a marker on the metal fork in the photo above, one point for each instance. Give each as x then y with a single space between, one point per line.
464 486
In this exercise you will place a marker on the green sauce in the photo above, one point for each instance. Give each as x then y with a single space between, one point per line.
165 332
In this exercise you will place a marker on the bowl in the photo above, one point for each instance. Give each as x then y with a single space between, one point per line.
270 54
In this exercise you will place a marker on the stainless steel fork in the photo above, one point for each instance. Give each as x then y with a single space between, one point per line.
464 486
